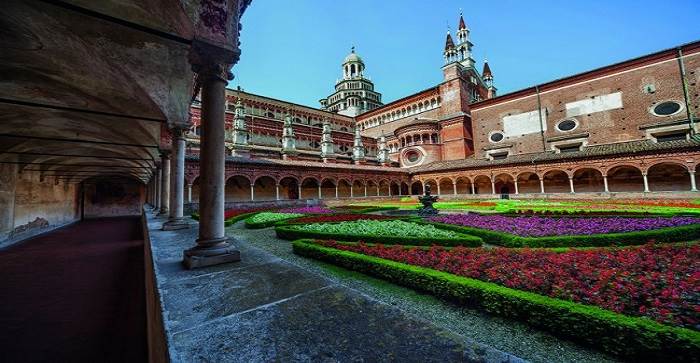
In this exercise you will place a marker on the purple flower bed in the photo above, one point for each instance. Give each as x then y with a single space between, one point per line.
553 226
308 210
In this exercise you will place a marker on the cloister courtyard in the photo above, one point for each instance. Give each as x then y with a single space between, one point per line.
153 209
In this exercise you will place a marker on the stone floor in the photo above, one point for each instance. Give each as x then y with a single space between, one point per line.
267 309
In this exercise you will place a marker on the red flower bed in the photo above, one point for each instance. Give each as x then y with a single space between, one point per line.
661 282
340 218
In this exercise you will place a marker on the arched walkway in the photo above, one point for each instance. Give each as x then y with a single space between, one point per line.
237 189
482 185
528 182
372 190
666 177
588 181
328 189
265 189
344 188
446 187
289 188
384 188
556 181
505 184
404 189
463 186
625 178
433 186
416 188
309 188
358 189
395 189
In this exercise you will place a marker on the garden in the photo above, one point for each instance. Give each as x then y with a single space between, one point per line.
620 276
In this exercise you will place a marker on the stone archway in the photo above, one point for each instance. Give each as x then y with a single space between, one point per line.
433 186
328 189
417 188
384 188
344 189
309 188
404 189
556 181
289 188
463 185
265 189
625 178
446 187
358 189
237 189
482 185
395 188
588 180
504 184
668 177
372 190
528 182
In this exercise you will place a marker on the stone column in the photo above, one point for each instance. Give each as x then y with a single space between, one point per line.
252 192
438 191
541 185
336 191
189 193
377 189
164 183
646 182
605 183
515 182
319 191
493 187
473 188
156 195
365 189
693 187
571 184
277 192
299 189
454 187
177 182
212 246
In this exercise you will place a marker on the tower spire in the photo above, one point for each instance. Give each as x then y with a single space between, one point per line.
358 149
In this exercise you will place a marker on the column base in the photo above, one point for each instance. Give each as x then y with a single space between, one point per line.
217 252
175 224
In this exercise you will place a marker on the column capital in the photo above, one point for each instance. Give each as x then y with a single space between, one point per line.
178 131
165 154
210 61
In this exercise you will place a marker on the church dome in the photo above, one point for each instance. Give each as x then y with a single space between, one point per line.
352 57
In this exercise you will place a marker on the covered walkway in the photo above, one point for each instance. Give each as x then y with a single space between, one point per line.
75 294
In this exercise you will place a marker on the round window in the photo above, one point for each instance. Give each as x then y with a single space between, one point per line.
567 125
667 108
412 156
496 137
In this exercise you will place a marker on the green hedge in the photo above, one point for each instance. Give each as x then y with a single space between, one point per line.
288 232
632 338
662 235
250 225
228 222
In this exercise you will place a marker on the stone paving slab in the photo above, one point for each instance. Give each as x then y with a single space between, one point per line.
267 309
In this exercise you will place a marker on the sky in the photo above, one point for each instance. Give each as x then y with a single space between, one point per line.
293 49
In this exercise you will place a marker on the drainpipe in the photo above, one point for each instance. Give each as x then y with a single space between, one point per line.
689 113
539 113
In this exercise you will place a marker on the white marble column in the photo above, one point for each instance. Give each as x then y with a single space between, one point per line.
515 182
365 189
646 183
541 185
454 187
277 192
336 191
252 192
177 181
164 183
156 191
319 191
212 246
571 184
189 193
299 189
693 186
605 183
493 187
438 191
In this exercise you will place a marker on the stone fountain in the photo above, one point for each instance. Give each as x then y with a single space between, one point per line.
427 200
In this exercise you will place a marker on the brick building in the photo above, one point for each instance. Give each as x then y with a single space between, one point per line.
627 127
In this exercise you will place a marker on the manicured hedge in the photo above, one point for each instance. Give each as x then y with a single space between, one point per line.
229 222
252 225
671 234
633 338
288 232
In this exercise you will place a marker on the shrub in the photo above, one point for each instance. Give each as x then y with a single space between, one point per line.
388 232
268 219
632 338
337 218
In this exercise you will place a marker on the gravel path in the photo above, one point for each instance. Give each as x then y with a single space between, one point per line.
506 335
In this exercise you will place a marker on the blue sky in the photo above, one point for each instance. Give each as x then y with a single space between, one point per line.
292 50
